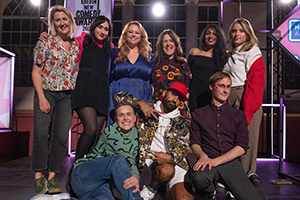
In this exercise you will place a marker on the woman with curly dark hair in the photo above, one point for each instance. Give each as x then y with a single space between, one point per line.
204 61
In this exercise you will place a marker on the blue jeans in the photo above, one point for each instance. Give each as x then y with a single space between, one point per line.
90 180
51 131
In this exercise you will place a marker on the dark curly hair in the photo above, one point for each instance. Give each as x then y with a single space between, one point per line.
90 38
219 51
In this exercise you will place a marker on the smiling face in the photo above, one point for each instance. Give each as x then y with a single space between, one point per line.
220 91
101 31
210 38
168 46
133 35
125 118
238 35
61 23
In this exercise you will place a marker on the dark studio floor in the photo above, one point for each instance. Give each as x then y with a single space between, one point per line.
16 180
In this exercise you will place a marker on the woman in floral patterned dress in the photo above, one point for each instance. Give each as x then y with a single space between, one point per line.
54 74
170 66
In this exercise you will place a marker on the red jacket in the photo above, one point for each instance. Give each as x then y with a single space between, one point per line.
254 89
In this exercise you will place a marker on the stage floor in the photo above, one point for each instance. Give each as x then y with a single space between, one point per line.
16 180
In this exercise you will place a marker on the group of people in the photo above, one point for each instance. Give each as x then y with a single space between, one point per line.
116 85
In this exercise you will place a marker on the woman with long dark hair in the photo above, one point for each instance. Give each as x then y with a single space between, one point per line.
204 61
90 98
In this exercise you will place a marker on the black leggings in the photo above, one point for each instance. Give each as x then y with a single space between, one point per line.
92 125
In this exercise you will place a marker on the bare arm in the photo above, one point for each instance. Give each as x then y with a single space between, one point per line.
37 82
195 51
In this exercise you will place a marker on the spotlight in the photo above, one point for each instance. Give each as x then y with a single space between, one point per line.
158 9
286 1
36 2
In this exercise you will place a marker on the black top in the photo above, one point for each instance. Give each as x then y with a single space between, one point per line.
202 68
219 129
92 87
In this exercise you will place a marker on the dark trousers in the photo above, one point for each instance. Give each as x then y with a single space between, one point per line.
230 174
51 131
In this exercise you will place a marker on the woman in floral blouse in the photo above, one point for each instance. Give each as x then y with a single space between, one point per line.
54 74
170 66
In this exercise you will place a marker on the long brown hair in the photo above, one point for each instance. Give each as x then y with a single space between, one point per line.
159 53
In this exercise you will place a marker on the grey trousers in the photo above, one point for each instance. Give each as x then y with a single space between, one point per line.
249 159
230 174
51 131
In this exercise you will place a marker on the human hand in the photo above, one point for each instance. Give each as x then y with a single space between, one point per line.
44 105
203 162
43 36
146 109
159 157
132 181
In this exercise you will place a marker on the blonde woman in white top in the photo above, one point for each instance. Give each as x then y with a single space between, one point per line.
246 67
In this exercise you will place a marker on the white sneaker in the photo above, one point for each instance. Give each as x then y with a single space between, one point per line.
61 196
229 195
220 185
148 193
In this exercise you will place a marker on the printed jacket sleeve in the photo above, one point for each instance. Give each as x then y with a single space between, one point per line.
177 139
254 88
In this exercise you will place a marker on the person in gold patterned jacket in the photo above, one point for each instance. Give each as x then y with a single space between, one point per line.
163 141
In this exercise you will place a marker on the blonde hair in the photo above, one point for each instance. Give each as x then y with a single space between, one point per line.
59 8
143 46
251 38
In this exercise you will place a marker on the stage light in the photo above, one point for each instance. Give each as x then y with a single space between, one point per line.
158 9
286 1
36 2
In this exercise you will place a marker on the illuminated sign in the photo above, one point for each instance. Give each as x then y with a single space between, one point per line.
287 34
84 11
6 88
294 28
